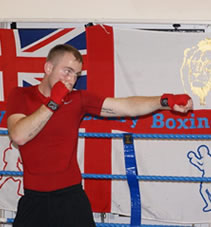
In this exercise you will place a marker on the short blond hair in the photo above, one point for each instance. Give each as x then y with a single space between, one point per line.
59 51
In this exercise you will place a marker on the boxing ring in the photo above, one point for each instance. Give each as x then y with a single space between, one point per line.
131 176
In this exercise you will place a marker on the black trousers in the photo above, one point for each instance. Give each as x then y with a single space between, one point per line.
68 207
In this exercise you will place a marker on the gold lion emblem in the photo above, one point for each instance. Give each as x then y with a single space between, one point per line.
195 71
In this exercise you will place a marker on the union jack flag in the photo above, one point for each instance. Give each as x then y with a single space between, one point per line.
22 56
23 53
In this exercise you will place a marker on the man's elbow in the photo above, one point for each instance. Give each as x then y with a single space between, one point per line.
17 139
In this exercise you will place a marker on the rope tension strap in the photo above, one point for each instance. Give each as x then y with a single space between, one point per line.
132 173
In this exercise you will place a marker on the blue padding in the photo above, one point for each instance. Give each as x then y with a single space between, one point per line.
131 172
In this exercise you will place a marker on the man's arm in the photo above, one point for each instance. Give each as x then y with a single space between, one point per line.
141 105
23 128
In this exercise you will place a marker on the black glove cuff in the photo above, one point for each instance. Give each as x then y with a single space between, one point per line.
52 105
164 102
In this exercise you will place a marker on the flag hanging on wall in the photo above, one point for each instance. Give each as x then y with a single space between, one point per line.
22 57
125 62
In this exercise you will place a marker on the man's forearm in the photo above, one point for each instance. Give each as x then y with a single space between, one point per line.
24 128
142 105
130 106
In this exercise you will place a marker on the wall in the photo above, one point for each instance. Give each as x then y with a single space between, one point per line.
98 11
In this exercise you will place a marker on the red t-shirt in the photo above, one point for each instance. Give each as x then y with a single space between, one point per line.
50 159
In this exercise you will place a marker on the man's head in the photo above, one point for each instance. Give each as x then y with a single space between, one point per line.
58 51
63 63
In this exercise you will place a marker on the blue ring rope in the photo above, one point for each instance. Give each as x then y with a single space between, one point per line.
148 136
11 220
124 177
147 178
128 225
140 136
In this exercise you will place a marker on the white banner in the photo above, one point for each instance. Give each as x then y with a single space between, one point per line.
152 63
11 187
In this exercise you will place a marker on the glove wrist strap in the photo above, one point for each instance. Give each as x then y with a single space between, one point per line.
164 102
52 105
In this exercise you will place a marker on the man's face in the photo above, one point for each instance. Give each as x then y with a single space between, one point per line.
65 69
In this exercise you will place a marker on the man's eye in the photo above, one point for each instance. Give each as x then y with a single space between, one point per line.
68 71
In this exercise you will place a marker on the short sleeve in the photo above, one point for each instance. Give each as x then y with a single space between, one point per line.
15 102
92 103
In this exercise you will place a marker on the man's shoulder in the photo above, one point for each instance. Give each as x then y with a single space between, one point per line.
84 95
78 93
23 90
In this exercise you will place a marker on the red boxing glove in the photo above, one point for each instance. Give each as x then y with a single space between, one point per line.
171 99
58 92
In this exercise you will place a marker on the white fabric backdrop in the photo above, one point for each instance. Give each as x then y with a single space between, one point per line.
151 63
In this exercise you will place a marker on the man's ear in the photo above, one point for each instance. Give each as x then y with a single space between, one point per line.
48 67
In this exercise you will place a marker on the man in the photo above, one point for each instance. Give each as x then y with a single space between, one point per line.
44 120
